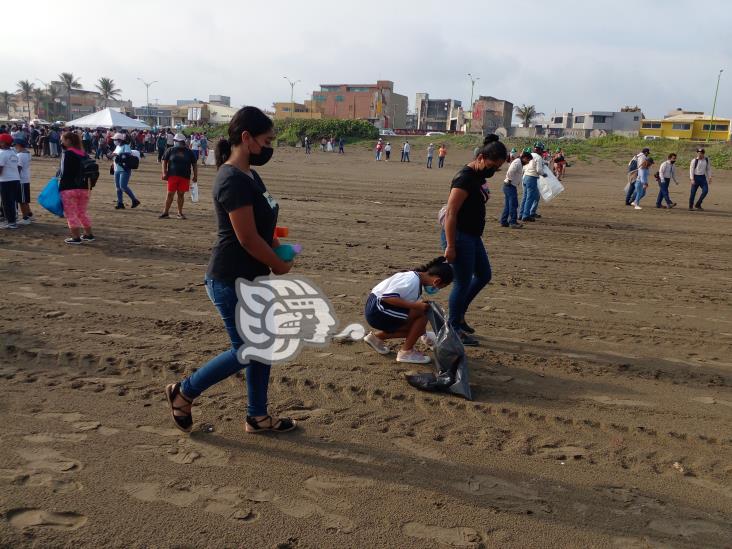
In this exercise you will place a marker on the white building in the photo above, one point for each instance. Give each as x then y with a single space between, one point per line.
593 123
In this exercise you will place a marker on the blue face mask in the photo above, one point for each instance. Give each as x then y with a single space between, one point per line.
431 290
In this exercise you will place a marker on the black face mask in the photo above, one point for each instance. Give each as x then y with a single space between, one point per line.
262 157
485 173
673 162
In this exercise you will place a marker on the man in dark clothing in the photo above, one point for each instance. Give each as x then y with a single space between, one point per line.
178 162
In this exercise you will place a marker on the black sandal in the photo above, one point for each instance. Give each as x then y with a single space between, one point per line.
281 425
184 423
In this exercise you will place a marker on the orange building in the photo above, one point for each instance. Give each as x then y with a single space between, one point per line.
376 103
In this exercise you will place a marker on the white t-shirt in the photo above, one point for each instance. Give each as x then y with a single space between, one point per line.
24 160
535 167
403 285
195 144
513 175
120 149
9 164
407 147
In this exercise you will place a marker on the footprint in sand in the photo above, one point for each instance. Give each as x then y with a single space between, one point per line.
690 528
76 419
422 451
453 537
569 452
618 401
46 438
161 431
712 400
46 459
31 518
186 452
34 479
504 494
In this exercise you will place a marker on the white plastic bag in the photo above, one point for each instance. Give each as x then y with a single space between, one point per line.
194 192
549 186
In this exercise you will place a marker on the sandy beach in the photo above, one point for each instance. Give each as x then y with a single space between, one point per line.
602 413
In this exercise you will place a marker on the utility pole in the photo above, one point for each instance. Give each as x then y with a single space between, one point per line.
714 106
473 80
292 95
147 96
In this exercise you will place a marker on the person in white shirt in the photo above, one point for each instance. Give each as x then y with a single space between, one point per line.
196 145
430 155
405 151
666 173
24 161
700 174
510 191
9 182
395 310
532 171
387 150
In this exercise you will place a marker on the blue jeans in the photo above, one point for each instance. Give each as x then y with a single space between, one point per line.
630 194
510 204
640 191
121 181
663 193
441 162
223 296
429 161
472 272
699 181
530 199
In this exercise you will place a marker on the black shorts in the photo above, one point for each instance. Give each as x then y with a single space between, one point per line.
25 196
383 317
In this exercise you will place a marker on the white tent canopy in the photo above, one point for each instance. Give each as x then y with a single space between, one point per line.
108 118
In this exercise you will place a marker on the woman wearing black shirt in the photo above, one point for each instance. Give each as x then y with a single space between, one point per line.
247 217
463 231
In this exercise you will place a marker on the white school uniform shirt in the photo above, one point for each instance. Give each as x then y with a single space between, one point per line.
700 167
403 285
514 172
535 167
667 171
9 163
24 160
195 144
407 147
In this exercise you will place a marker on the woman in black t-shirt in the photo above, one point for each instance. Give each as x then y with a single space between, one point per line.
247 217
463 228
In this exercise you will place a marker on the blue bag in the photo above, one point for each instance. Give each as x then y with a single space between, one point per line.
50 198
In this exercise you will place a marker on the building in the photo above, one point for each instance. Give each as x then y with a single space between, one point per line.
220 100
376 103
593 124
284 110
691 125
489 114
83 102
219 113
437 114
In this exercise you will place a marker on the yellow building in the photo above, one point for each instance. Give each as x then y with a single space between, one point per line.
285 110
687 126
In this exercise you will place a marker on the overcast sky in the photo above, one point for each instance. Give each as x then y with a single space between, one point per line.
659 54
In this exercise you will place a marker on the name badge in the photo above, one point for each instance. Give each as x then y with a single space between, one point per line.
270 199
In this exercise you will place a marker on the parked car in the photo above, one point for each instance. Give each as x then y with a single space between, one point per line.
651 137
430 134
387 132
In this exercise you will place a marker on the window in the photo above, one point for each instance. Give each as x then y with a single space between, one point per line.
684 127
716 127
597 119
330 88
651 125
559 120
358 89
636 118
319 98
579 119
339 98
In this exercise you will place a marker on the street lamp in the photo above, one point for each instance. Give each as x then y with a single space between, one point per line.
473 80
292 94
714 106
147 95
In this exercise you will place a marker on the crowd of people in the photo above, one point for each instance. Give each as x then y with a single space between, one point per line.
639 169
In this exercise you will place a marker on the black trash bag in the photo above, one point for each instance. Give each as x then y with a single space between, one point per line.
452 365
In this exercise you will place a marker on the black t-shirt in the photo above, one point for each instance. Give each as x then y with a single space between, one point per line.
232 190
471 216
180 161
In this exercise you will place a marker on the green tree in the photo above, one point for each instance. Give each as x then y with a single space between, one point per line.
26 89
6 100
69 82
107 90
628 108
39 98
526 113
52 93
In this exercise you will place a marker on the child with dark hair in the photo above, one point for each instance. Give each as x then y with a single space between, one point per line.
395 310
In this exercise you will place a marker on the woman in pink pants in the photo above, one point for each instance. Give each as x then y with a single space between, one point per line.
75 190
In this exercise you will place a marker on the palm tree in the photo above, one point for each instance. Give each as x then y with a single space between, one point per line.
52 93
69 81
5 101
107 90
39 98
26 89
526 113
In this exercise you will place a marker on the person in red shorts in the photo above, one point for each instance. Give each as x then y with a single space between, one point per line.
178 162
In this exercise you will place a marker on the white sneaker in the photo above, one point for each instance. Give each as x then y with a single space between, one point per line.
637 207
376 344
24 222
429 339
633 204
8 226
412 357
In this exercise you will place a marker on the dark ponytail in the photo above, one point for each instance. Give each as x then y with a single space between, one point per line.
438 267
493 149
246 119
